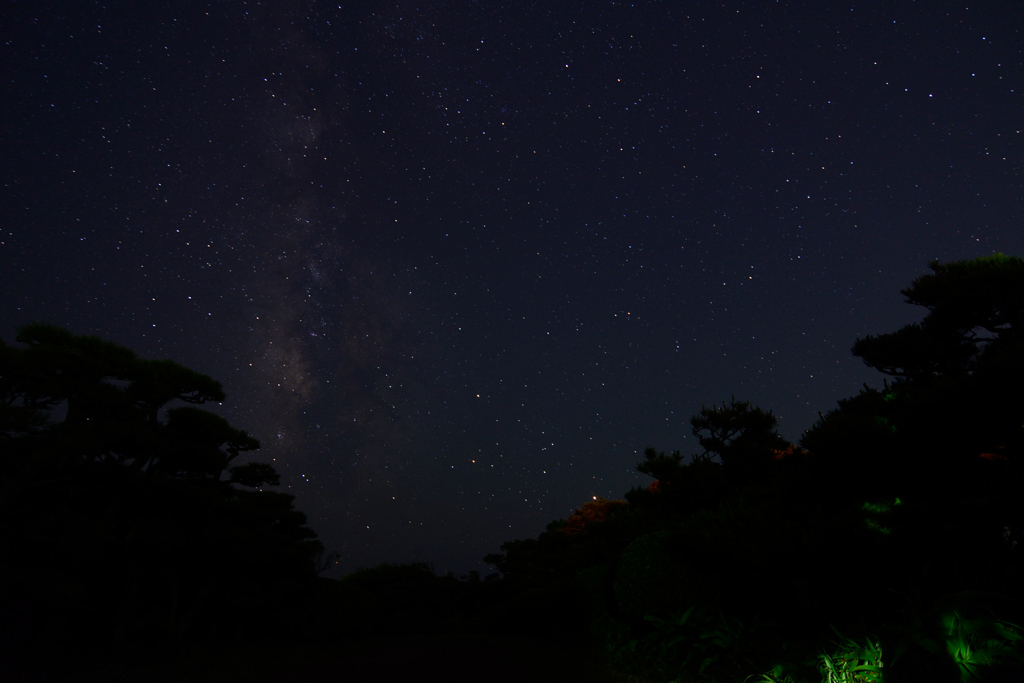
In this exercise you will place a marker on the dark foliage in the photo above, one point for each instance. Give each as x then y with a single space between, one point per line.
120 531
744 437
889 539
957 371
892 534
667 469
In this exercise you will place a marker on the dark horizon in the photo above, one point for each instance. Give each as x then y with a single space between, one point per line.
456 266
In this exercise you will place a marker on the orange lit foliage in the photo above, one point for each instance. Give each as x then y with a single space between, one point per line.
791 449
993 457
596 510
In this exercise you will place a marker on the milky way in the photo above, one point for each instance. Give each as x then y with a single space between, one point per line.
457 264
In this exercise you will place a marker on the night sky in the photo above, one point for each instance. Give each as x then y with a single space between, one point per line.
457 263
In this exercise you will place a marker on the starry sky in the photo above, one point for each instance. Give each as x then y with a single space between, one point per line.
457 263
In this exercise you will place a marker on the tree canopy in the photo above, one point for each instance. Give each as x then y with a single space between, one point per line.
741 434
120 509
954 392
125 516
895 526
974 320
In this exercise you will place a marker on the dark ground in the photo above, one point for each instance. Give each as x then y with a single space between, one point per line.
454 658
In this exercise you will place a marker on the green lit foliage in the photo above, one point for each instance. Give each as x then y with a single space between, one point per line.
877 514
973 647
740 558
959 630
780 673
974 644
852 662
848 662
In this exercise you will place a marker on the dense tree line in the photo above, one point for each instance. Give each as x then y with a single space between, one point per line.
882 546
887 537
124 521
